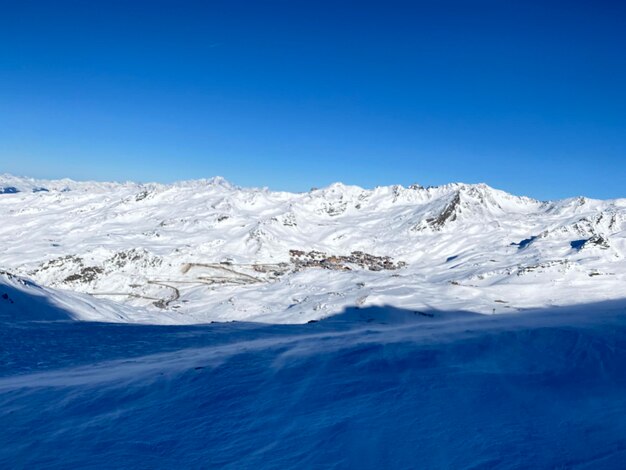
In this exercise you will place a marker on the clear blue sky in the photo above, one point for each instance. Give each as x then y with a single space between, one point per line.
527 96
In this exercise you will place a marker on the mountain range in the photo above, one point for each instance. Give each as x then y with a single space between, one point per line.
207 250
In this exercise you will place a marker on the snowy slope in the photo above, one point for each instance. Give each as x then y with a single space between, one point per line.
373 388
22 300
206 250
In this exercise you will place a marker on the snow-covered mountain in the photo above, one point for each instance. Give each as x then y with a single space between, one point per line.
207 250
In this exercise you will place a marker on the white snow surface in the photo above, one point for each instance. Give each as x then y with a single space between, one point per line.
206 250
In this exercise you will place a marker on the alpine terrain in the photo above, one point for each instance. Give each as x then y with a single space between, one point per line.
203 325
205 250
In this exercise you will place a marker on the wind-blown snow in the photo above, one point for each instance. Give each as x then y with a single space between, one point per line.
206 250
370 388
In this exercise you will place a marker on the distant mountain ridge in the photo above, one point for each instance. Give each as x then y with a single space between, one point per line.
204 250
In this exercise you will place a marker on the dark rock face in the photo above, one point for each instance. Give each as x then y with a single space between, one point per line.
141 196
562 264
138 256
87 274
598 241
68 260
448 214
319 259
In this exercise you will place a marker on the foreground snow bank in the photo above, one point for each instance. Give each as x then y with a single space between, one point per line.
372 388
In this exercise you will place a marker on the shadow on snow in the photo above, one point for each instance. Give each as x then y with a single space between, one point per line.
374 387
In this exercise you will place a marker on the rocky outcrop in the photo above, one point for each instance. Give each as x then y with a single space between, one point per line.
597 241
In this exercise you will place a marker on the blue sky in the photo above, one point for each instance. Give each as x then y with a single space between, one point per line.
527 96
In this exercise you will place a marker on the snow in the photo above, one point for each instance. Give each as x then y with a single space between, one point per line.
109 358
375 387
158 251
